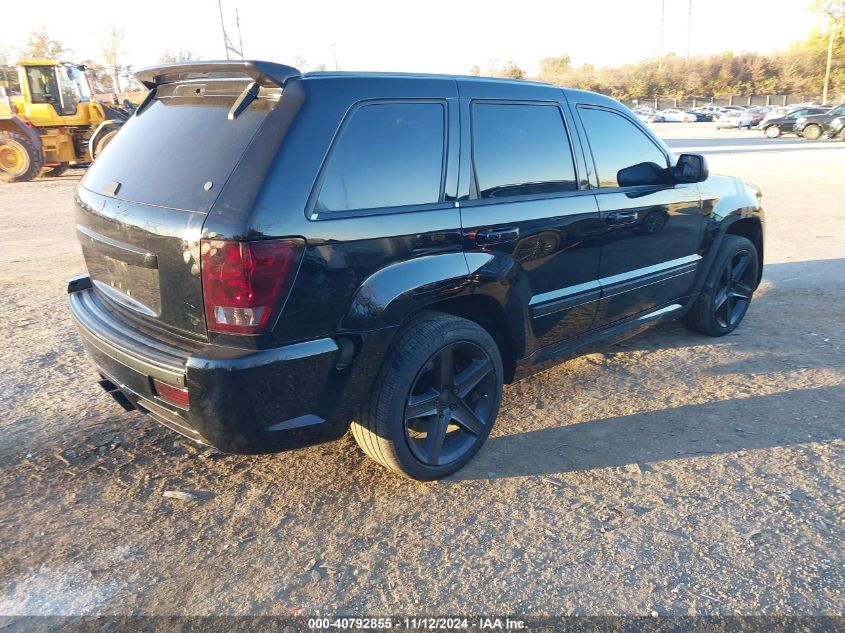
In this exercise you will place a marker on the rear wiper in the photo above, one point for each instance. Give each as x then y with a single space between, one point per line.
249 95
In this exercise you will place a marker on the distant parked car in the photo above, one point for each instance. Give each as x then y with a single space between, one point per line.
836 129
677 116
813 126
776 113
734 119
757 114
702 116
774 127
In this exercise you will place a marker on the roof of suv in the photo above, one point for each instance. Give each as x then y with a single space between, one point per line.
338 74
584 96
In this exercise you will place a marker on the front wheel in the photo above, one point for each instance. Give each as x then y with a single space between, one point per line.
435 400
20 159
812 132
773 131
728 289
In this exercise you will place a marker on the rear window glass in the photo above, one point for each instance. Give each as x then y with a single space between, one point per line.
388 155
167 154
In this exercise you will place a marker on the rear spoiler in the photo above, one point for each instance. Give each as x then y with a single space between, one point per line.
266 74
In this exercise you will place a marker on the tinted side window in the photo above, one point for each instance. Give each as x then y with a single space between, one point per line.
618 144
388 155
520 150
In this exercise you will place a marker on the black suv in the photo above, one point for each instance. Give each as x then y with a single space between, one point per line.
812 126
785 124
274 255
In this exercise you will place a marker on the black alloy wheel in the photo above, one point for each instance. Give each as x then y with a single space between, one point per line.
732 298
450 404
435 399
728 288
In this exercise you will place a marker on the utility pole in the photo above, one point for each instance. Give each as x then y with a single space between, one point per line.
240 39
689 30
662 22
223 28
334 51
829 61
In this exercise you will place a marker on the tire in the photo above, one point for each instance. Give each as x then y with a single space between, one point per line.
101 143
728 289
772 131
56 170
812 132
841 135
414 364
20 159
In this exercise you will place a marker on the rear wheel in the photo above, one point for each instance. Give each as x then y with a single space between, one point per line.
20 160
56 170
728 289
773 131
435 400
812 132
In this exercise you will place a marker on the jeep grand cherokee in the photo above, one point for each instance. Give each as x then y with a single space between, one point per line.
273 256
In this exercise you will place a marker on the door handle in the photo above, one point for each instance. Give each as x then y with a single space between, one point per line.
620 218
494 236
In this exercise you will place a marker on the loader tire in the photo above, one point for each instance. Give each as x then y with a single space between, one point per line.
20 160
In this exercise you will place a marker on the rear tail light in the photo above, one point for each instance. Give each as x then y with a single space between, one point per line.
244 284
171 394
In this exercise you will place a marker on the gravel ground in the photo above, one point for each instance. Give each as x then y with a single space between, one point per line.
673 473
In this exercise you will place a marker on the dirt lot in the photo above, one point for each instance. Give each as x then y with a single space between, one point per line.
673 473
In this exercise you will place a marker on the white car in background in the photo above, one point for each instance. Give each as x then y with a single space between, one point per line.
677 116
734 119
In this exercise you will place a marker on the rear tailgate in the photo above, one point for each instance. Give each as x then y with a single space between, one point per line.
142 204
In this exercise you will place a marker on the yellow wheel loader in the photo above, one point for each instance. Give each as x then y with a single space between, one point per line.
51 121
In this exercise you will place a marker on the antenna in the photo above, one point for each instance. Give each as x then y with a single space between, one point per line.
227 43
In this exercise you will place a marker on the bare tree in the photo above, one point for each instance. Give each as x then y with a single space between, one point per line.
112 54
40 45
511 70
181 55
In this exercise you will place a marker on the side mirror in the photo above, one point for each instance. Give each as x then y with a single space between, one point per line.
691 168
641 174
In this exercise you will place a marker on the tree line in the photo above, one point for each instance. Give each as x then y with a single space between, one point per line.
799 70
109 74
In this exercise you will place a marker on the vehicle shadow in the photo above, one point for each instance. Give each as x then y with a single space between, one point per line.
644 438
729 422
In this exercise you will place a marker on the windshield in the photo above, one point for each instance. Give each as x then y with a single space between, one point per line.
80 79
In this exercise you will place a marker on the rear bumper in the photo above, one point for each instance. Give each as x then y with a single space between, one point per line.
240 401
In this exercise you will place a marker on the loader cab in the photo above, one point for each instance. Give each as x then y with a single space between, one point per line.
52 91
